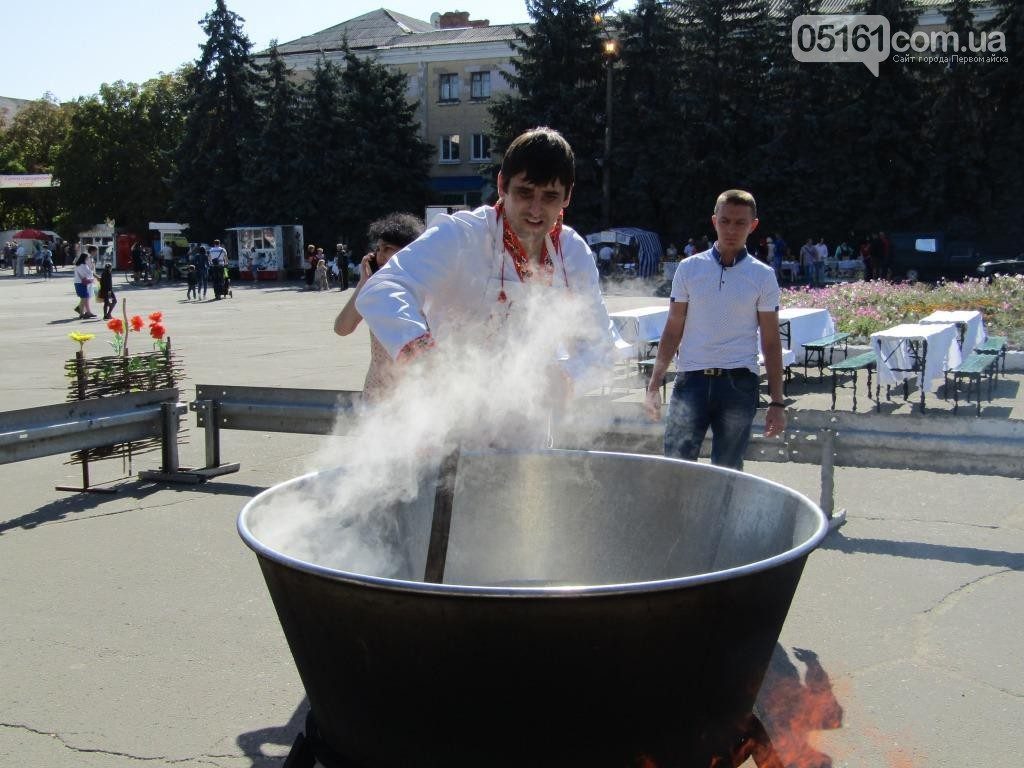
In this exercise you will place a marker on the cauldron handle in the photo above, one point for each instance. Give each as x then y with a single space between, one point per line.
441 524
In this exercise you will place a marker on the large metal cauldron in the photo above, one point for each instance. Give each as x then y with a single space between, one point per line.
598 609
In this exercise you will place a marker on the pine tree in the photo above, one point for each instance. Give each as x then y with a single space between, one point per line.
876 120
1004 83
387 161
958 185
650 153
795 179
324 162
723 110
220 128
559 81
273 192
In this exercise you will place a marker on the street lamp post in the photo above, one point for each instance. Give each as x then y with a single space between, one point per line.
610 52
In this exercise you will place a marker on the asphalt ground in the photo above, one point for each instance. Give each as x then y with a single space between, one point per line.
137 629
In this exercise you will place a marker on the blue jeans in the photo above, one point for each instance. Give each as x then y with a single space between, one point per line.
726 403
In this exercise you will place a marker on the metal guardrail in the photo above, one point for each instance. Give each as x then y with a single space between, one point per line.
266 409
824 438
47 430
51 429
828 439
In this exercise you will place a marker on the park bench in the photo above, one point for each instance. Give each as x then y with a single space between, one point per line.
972 369
994 345
852 365
814 351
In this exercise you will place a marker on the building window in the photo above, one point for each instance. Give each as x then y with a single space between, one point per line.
449 88
481 147
450 148
480 85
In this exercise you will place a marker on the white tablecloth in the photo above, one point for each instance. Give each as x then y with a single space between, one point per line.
892 351
640 325
806 325
970 319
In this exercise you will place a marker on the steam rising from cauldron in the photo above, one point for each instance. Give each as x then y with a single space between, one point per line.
493 385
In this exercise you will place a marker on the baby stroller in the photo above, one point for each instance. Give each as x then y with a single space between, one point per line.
225 285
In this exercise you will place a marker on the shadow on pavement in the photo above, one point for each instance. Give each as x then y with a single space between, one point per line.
60 509
792 709
251 742
921 551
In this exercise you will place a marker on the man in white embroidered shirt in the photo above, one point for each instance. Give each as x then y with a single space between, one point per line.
464 280
720 299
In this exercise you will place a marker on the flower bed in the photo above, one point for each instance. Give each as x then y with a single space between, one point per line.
864 307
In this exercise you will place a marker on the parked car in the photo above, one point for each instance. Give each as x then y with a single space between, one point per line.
1001 267
930 256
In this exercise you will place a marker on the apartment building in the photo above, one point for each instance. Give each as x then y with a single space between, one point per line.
454 69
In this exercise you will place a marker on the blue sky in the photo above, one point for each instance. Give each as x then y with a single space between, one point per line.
70 47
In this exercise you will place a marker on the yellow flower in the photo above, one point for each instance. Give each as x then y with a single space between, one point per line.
81 338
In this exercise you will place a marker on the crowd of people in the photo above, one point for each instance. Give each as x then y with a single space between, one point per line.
808 263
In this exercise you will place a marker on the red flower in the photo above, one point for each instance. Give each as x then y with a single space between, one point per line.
137 323
116 324
157 331
156 317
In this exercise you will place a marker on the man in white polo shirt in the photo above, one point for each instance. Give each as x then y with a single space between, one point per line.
720 298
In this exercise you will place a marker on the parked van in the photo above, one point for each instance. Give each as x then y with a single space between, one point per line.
929 255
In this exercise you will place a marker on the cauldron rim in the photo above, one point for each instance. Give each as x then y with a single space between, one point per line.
481 591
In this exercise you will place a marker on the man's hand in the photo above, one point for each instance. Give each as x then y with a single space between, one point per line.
365 270
652 404
774 421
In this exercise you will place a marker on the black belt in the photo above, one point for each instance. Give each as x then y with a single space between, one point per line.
722 371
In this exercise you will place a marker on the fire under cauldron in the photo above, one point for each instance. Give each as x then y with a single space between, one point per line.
595 609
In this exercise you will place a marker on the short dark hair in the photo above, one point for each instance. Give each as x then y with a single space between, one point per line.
545 156
737 197
397 229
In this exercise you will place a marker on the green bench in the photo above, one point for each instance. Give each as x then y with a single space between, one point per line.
852 365
972 369
994 345
815 350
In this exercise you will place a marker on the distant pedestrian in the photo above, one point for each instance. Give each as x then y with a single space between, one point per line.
321 276
310 266
46 262
341 265
84 277
218 262
193 283
19 259
106 292
201 261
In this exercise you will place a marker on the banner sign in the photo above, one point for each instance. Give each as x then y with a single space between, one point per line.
27 181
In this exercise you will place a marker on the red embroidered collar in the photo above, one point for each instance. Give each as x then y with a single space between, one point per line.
521 260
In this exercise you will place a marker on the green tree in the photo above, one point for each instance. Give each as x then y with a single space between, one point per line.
1004 85
559 81
877 120
387 161
118 158
217 147
362 152
958 184
723 110
650 151
30 144
795 178
273 191
325 161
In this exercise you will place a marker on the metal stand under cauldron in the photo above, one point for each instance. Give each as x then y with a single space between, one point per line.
596 609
